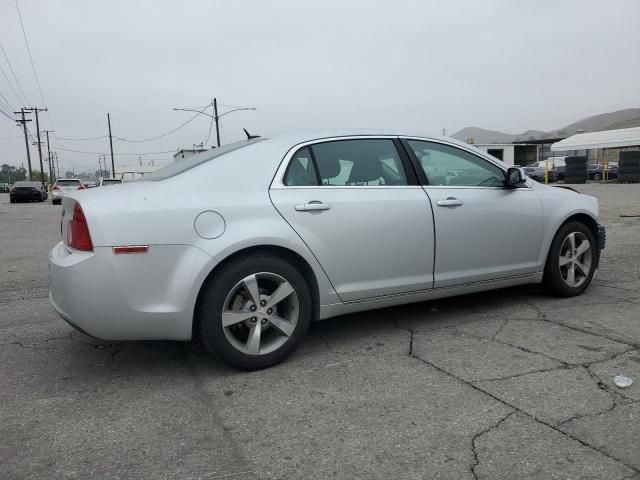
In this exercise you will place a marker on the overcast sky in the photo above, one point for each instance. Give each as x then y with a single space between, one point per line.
420 65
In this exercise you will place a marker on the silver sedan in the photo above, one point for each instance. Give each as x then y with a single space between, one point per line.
245 245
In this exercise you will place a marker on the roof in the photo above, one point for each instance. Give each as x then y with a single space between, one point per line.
624 137
540 141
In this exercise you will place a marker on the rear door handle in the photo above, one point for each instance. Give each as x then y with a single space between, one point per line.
312 206
449 202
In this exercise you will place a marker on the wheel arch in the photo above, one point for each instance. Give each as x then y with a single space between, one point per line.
284 253
582 217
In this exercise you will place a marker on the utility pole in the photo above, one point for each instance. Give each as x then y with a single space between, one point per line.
24 121
51 177
36 109
113 166
215 117
57 165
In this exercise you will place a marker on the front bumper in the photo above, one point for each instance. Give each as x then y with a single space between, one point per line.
128 297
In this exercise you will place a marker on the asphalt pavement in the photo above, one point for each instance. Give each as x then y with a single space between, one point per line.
499 385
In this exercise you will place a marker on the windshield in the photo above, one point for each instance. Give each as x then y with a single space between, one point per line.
181 166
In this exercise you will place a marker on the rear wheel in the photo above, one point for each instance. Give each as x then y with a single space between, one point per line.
571 261
254 312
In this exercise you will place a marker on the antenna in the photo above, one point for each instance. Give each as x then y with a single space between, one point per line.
249 136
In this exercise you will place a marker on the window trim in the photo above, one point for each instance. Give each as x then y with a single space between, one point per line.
279 178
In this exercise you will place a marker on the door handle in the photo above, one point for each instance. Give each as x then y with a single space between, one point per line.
449 202
312 206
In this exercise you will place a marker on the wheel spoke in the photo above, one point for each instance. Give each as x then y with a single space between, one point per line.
253 342
232 317
281 324
572 241
251 284
583 269
583 247
283 291
571 275
564 260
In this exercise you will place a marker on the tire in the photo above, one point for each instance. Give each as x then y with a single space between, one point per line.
556 278
574 161
226 291
11 200
578 179
628 177
597 177
629 170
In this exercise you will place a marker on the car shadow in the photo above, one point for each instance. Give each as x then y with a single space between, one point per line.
148 357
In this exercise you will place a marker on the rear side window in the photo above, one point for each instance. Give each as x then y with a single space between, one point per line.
361 162
301 171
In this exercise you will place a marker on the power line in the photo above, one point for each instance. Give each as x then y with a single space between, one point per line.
103 153
164 134
80 139
24 95
33 66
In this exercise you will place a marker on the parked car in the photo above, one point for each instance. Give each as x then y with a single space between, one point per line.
27 192
105 182
245 245
595 172
64 186
537 173
558 173
4 187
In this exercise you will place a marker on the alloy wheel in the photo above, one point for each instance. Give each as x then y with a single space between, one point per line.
260 313
576 258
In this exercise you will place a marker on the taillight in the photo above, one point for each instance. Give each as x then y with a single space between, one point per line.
81 187
78 236
55 187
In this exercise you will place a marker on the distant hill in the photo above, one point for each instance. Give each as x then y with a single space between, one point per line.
627 118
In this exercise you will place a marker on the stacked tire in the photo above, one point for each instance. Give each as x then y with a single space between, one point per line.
629 167
575 170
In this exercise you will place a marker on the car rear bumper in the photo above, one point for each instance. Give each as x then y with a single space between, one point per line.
128 297
25 196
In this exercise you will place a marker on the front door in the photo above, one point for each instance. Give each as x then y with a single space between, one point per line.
370 227
484 231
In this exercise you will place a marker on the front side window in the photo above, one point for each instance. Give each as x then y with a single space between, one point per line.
362 162
449 166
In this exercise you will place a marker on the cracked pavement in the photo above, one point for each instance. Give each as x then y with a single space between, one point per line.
498 385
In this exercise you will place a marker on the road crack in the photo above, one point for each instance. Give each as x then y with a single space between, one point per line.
476 460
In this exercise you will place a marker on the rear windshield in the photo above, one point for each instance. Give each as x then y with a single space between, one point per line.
26 184
181 166
111 180
67 183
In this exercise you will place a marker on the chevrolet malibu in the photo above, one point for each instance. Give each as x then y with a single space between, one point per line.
245 245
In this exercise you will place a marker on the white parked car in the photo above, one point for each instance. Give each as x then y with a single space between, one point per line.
105 182
63 186
244 245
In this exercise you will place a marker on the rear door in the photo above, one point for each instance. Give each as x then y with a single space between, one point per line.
356 204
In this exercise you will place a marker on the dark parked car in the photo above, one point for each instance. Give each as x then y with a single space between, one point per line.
27 191
595 171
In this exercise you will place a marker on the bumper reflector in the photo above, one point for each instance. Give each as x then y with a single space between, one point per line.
131 249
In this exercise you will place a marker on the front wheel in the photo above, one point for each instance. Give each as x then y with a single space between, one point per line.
254 312
572 260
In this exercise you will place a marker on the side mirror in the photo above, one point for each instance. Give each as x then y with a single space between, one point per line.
515 178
